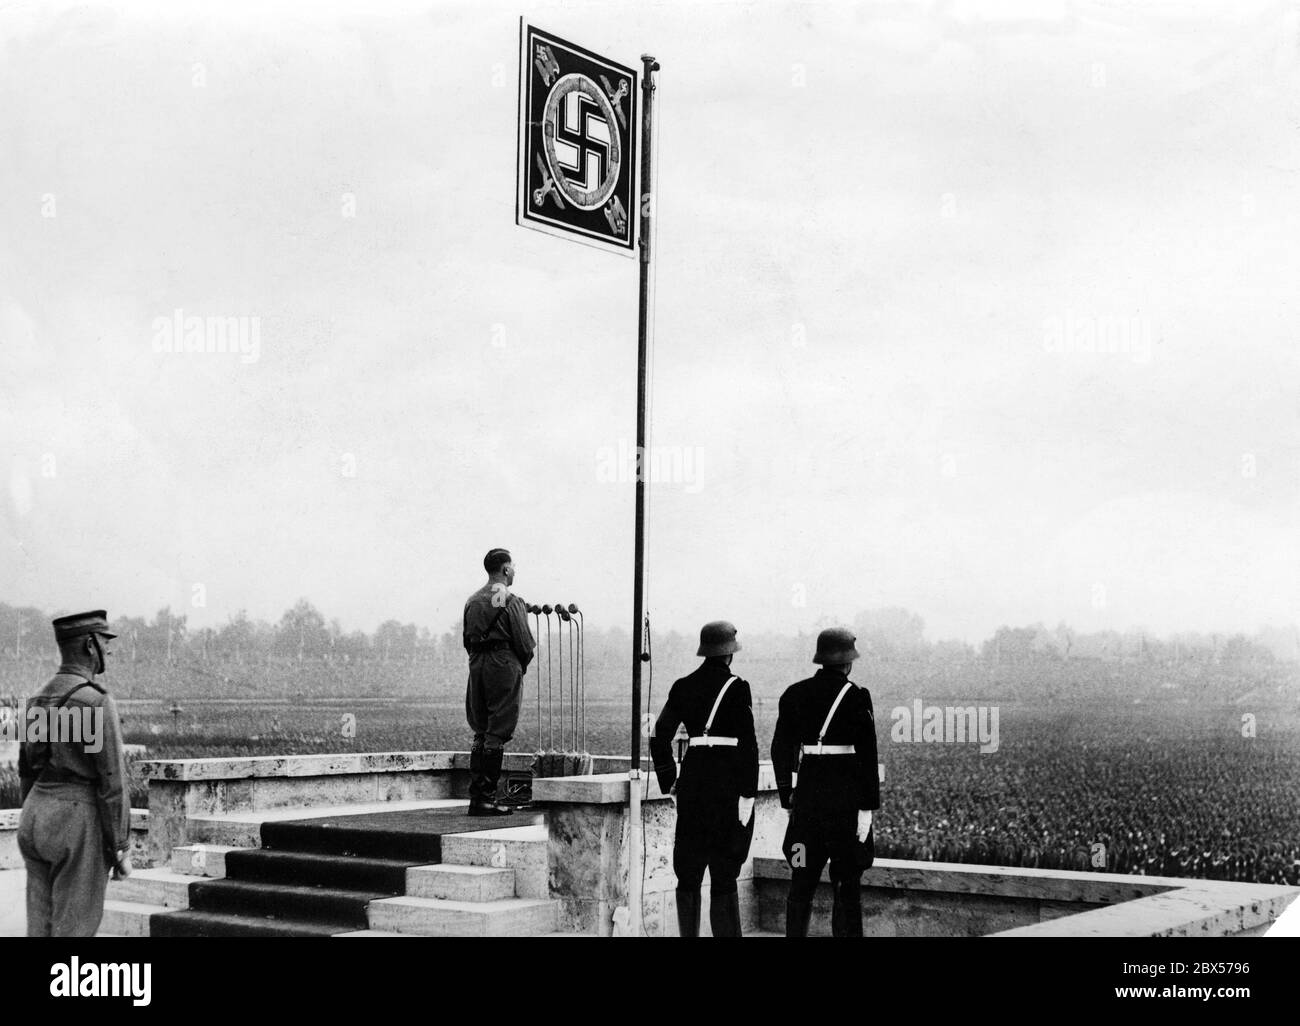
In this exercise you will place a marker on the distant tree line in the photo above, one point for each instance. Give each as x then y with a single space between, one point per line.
301 634
306 653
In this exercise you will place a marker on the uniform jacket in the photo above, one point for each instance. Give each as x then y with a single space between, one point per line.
105 769
482 623
730 770
837 780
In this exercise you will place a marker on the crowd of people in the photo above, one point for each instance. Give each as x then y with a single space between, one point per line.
1060 794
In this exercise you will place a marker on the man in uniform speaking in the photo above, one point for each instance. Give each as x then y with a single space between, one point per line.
500 646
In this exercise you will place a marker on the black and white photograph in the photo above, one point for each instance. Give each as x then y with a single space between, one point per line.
491 473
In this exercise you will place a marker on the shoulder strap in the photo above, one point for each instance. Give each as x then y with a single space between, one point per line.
834 705
84 684
501 611
717 702
488 629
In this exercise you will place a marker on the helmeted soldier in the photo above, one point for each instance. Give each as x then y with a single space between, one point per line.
714 795
500 646
76 820
825 729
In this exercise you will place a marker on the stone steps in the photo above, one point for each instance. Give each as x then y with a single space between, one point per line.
460 883
436 917
184 923
244 829
490 883
523 849
128 918
158 887
206 860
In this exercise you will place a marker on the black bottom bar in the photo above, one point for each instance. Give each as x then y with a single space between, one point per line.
916 979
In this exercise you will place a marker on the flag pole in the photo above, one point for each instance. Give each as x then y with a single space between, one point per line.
636 840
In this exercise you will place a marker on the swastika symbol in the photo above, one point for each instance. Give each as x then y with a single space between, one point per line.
582 141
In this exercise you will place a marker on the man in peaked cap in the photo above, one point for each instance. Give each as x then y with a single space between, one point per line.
76 818
719 777
500 646
826 729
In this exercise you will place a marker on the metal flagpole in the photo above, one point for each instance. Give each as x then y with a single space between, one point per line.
638 613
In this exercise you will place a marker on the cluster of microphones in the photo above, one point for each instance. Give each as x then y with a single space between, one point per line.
565 613
575 723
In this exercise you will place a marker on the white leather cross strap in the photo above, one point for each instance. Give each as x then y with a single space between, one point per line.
704 741
820 749
831 715
717 702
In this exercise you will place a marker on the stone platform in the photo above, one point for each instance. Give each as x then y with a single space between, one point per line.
564 866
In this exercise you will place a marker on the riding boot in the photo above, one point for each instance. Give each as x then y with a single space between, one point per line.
846 912
476 773
688 912
724 914
797 914
484 791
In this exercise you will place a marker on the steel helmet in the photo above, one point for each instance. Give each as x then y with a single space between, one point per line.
836 645
718 638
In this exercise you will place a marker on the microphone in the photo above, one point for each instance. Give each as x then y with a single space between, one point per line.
563 613
573 608
546 610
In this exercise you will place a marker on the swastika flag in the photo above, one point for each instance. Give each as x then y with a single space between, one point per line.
577 143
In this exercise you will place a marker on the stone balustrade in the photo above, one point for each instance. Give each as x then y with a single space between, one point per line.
10 858
588 839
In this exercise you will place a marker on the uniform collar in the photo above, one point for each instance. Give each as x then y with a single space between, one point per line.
826 671
75 671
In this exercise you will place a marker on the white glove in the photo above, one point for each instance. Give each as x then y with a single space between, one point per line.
672 795
745 810
864 825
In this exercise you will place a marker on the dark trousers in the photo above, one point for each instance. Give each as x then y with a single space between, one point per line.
711 839
62 845
493 697
813 840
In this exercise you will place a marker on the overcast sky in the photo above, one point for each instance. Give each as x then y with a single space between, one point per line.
886 236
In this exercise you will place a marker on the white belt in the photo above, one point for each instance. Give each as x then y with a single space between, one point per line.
828 750
714 742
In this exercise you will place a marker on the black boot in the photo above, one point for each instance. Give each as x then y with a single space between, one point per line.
797 914
724 914
475 774
688 912
483 788
846 912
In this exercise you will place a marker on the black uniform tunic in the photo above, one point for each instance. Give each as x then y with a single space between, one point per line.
832 788
713 779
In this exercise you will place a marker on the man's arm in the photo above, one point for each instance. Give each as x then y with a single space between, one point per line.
114 797
661 743
26 776
521 635
784 737
748 743
868 760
